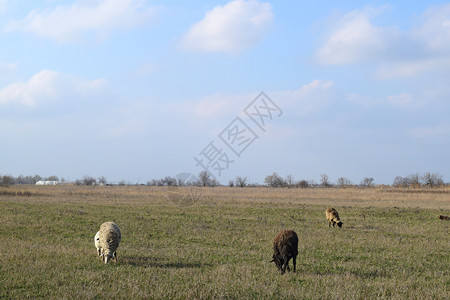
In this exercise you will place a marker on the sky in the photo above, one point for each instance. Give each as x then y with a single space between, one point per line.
136 90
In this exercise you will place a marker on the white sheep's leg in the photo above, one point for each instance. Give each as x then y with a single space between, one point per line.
99 251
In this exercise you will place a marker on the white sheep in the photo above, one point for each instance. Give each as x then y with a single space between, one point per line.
109 239
97 243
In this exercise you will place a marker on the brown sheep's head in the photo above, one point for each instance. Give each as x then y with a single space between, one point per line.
340 224
278 261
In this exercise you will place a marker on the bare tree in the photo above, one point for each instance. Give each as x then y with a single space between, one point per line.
214 182
274 180
400 181
413 180
343 182
290 182
367 181
269 180
324 181
89 180
241 181
36 178
7 180
24 180
102 180
169 181
204 179
432 179
231 183
303 184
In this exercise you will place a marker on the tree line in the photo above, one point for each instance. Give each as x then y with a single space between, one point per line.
204 178
427 179
6 180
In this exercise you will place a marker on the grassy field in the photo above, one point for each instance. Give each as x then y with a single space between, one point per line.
392 244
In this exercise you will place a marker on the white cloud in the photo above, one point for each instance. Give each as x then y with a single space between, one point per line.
47 86
218 104
400 99
230 28
434 31
439 131
406 68
84 19
355 38
3 4
8 67
309 98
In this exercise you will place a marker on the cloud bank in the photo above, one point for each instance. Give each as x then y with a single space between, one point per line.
47 86
355 38
230 28
83 20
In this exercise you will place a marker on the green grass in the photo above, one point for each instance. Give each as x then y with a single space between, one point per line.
216 249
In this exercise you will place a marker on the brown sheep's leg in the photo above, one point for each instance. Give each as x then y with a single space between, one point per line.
115 256
294 261
285 266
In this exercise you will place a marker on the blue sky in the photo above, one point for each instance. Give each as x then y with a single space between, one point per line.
134 90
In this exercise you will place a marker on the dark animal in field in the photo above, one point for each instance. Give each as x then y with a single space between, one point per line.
285 247
444 218
333 217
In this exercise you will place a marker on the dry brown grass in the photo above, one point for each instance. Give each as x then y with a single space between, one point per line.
374 197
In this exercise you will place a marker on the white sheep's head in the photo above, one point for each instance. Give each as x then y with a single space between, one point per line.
97 242
107 256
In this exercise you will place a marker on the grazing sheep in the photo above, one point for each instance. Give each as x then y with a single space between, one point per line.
444 218
97 243
285 247
110 236
333 217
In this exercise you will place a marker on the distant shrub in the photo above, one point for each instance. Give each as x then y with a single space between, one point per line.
303 184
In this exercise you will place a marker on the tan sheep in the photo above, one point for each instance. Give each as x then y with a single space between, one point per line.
109 241
333 217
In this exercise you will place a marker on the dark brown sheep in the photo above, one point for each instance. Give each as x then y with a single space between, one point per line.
333 217
444 218
285 247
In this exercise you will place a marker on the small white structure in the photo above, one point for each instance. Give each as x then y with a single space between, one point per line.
47 182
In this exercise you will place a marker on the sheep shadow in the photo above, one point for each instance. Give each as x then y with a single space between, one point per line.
152 262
